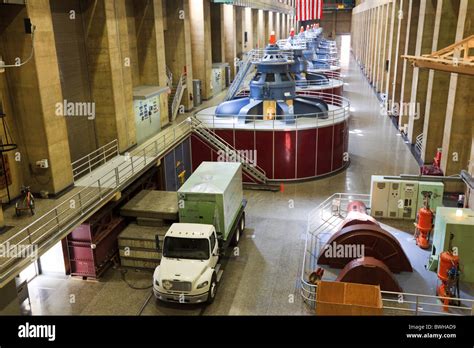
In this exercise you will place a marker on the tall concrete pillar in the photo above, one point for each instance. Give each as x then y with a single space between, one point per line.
230 36
271 22
248 15
407 74
383 47
438 81
239 30
457 133
376 50
145 26
266 28
393 10
400 40
217 32
261 28
149 28
34 92
424 45
278 25
110 75
179 46
256 26
201 40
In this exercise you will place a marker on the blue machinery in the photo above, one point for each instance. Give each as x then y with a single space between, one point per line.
273 90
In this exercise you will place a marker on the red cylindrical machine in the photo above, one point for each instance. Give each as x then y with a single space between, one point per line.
448 273
357 214
357 206
447 261
424 227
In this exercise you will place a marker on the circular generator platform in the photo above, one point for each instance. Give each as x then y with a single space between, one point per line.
310 147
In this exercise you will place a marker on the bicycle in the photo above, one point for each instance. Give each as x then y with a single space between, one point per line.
25 203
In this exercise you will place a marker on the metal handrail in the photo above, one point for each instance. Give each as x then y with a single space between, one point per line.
339 112
169 77
325 220
419 142
89 162
251 168
244 67
178 96
58 221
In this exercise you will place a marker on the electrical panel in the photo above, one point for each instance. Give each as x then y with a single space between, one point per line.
436 189
394 200
146 104
401 199
379 197
409 200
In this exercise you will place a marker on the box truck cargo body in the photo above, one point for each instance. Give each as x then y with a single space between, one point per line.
212 195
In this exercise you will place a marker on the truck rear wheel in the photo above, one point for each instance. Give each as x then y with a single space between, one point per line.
242 223
212 289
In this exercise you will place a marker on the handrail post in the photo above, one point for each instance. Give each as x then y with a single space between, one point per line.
117 178
131 162
144 157
89 161
416 305
57 219
100 189
80 202
29 235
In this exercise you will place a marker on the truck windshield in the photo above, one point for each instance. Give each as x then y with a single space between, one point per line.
186 248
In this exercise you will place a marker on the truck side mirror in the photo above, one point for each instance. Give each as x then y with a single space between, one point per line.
157 243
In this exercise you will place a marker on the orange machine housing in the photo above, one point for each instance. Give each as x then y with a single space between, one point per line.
446 261
424 226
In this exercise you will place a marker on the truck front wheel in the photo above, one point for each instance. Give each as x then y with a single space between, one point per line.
212 289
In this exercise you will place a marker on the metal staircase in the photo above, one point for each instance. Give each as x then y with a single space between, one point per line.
175 97
205 133
244 69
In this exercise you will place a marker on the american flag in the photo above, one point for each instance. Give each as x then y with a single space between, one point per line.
307 10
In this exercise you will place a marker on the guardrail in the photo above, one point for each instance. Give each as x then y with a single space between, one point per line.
338 112
57 222
323 222
178 96
85 165
419 142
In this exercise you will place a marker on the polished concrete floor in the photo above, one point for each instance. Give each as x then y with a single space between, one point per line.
264 278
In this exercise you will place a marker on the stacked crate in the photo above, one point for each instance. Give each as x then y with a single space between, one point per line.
140 246
93 244
151 213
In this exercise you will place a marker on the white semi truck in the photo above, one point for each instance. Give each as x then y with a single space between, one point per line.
212 218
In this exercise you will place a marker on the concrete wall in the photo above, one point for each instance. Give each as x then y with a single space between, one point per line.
98 56
432 104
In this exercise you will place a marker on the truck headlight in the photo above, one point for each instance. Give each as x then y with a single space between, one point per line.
202 285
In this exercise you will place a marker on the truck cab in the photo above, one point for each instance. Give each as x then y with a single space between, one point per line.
187 272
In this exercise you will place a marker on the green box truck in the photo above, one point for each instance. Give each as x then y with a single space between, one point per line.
211 218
